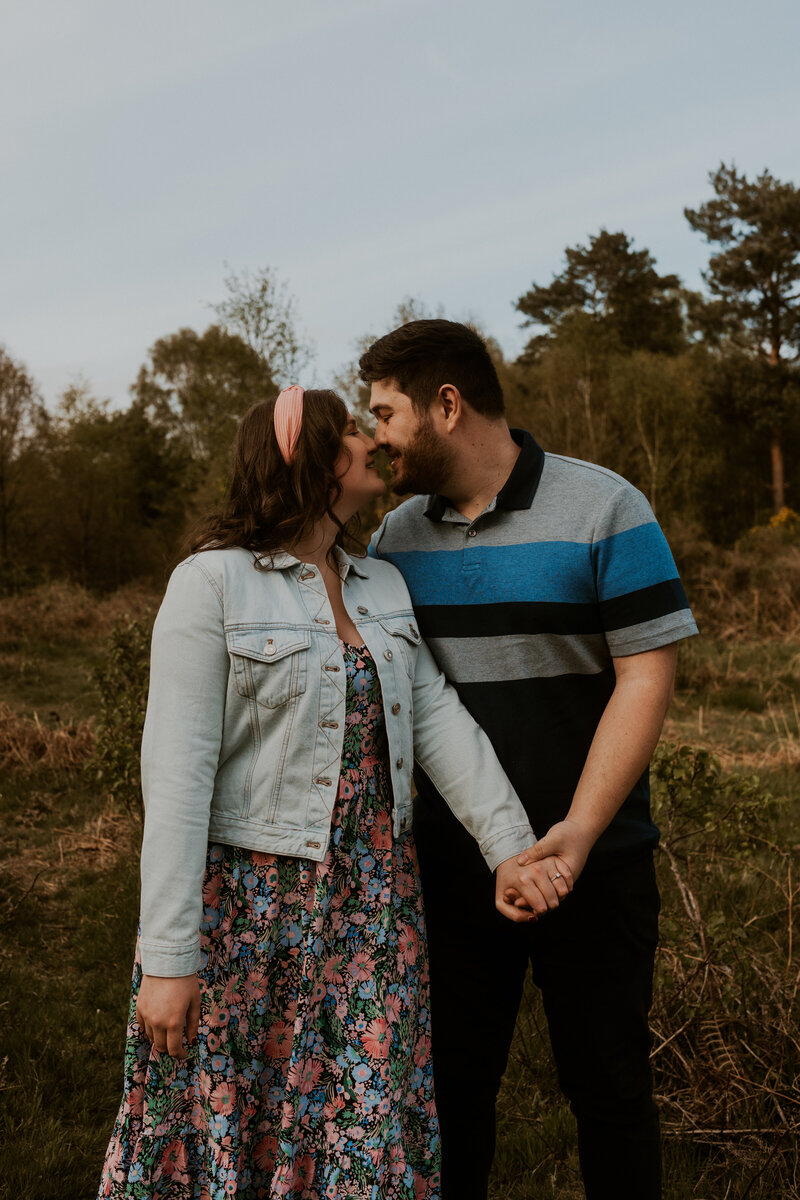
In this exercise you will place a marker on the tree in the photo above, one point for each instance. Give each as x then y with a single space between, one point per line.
615 288
754 281
198 386
112 492
261 311
20 409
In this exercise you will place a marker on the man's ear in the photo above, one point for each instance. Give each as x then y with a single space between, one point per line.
450 405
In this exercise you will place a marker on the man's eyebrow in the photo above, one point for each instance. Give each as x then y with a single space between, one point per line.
380 408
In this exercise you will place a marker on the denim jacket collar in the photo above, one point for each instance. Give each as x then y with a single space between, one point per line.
281 560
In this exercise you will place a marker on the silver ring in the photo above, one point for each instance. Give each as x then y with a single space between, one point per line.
557 875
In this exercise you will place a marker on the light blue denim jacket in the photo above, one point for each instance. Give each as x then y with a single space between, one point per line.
245 722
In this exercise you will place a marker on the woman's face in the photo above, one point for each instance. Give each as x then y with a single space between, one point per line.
355 469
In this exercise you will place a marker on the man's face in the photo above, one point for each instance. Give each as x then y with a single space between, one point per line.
419 456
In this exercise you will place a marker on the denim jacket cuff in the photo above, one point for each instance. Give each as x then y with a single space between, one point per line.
507 845
170 961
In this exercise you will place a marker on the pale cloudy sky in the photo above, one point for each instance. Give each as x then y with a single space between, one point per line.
365 149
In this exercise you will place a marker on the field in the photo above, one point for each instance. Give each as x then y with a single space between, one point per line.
725 1020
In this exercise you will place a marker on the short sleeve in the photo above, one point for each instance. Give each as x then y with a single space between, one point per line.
642 601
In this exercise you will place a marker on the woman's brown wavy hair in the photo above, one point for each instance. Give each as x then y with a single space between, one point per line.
271 505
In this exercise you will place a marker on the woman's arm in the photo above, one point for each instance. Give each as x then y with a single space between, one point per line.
460 762
180 753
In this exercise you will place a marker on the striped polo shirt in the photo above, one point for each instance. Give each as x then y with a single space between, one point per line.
524 609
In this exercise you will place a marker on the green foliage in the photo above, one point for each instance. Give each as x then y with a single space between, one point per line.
261 311
618 288
701 809
725 1054
122 680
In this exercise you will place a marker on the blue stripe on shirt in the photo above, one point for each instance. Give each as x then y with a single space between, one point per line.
634 559
535 571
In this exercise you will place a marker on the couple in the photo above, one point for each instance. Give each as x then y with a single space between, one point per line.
293 1009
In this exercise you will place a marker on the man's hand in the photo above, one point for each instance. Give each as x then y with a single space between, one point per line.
523 893
566 843
166 1008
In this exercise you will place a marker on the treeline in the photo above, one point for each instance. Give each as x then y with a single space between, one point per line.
694 397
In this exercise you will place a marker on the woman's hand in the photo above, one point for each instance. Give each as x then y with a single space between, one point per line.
563 851
168 1009
525 891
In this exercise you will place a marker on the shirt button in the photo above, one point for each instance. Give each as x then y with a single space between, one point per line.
387 654
270 647
395 709
399 764
471 532
362 610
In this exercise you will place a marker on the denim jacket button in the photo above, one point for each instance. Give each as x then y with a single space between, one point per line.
270 647
395 709
399 764
362 610
387 654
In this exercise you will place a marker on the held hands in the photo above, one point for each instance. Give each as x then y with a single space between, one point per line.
166 1008
539 878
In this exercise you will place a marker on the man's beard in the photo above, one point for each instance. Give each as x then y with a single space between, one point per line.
424 465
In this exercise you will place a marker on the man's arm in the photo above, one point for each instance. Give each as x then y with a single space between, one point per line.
621 749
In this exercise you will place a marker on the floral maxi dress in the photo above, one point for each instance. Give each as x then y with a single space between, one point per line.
311 1076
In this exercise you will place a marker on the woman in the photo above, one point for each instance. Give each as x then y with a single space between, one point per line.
284 1048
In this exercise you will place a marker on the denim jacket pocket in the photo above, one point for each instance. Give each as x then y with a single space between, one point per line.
270 665
405 637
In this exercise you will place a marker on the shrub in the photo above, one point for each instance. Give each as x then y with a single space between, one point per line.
123 680
726 1054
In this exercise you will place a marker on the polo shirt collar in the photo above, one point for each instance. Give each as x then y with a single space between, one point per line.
518 490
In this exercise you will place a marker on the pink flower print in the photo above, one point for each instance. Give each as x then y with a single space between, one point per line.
405 885
407 943
332 970
381 832
204 1084
420 1187
361 966
175 1158
392 1006
304 1170
377 1038
397 1159
279 1041
219 1017
264 1153
259 859
223 1098
422 1050
306 1074
211 890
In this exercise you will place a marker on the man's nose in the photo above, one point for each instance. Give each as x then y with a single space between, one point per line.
380 437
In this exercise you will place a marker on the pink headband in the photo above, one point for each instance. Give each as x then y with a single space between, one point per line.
288 418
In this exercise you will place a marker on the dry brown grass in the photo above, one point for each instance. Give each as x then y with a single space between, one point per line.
59 610
27 743
750 590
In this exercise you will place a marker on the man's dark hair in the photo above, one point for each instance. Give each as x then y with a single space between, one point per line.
423 355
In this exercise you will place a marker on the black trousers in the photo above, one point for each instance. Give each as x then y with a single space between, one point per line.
593 961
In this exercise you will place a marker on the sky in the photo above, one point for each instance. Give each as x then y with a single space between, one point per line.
365 150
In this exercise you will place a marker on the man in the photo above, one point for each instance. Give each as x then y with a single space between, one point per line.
548 595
